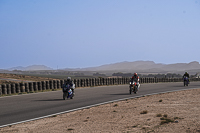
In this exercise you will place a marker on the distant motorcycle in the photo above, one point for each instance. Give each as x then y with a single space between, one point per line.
185 81
133 87
67 92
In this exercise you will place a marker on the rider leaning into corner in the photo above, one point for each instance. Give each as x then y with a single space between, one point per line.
71 83
135 78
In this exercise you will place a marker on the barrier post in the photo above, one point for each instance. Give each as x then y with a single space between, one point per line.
114 80
101 81
145 80
83 83
106 81
43 85
78 83
75 82
22 87
54 84
17 86
127 80
109 81
150 80
26 87
8 89
35 87
51 84
13 90
58 84
156 80
94 82
39 84
118 81
86 82
47 85
4 89
124 80
31 86
62 82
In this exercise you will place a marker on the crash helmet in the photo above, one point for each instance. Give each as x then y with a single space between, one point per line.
135 74
68 78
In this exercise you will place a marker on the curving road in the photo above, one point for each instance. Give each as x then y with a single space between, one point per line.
19 108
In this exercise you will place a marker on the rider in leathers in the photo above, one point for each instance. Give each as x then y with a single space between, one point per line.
187 75
135 78
71 83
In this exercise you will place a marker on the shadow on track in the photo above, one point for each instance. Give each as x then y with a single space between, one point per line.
51 100
178 86
119 94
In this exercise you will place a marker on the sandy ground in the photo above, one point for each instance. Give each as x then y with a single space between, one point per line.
180 112
15 78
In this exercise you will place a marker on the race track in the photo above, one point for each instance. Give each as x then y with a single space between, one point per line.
29 106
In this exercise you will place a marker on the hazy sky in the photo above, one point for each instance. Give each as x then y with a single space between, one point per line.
87 33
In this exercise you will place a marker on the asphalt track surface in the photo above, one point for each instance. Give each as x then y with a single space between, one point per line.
14 109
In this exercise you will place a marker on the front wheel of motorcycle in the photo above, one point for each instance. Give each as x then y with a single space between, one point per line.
135 89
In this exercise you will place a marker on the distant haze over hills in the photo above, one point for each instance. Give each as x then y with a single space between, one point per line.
127 67
31 68
144 67
147 65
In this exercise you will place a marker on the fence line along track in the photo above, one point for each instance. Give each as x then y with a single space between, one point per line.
18 88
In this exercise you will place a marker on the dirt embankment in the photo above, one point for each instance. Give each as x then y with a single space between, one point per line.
20 78
176 112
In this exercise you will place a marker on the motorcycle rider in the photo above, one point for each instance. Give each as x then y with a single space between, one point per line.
71 83
187 75
135 78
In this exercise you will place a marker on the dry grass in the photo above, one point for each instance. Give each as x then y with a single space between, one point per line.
21 78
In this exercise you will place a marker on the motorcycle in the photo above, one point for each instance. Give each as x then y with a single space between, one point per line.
185 81
133 87
67 92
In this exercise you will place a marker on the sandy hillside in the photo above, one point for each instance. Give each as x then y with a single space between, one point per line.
179 111
20 78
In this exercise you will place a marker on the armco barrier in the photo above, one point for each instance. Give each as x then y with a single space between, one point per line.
7 89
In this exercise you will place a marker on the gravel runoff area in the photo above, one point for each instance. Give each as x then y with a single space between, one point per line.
173 112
